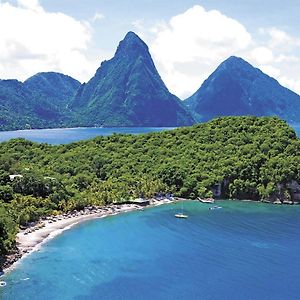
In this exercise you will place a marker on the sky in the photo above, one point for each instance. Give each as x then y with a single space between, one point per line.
187 39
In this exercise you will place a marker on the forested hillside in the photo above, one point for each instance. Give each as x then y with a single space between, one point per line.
39 102
128 91
236 88
249 156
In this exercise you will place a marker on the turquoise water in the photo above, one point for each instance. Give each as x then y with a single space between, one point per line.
243 251
69 135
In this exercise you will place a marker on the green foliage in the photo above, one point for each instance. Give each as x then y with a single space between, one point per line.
39 102
249 156
6 193
8 229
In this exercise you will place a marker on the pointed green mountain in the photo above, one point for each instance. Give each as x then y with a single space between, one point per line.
236 88
128 91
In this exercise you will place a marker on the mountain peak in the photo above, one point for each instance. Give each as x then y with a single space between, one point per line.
130 35
57 88
50 76
128 91
238 88
132 44
234 59
235 62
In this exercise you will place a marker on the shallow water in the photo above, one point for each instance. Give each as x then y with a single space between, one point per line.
245 250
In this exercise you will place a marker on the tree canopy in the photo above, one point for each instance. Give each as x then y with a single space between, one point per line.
248 156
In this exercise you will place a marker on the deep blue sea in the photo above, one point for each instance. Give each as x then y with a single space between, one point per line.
245 250
69 135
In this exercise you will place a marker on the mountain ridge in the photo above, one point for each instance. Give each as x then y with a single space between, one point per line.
25 105
127 90
238 88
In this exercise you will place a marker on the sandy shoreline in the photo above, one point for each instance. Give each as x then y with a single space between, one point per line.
32 238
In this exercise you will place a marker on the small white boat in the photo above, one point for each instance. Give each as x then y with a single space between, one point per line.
215 207
181 216
206 200
2 283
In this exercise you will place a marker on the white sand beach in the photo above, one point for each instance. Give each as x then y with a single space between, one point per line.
32 238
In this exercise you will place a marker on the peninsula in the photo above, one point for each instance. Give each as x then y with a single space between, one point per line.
254 158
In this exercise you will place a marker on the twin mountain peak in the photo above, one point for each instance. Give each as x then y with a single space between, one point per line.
127 90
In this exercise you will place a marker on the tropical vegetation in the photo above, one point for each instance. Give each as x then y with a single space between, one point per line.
248 156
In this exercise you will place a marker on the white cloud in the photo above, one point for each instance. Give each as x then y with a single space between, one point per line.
262 55
287 59
280 41
195 39
292 83
279 38
186 49
270 70
30 4
189 47
139 26
34 40
97 16
279 57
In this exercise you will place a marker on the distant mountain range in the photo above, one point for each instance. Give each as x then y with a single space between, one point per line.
128 91
39 102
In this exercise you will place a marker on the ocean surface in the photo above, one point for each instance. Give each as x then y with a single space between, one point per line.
245 250
68 135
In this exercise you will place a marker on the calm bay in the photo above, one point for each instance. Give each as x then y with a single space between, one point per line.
245 250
